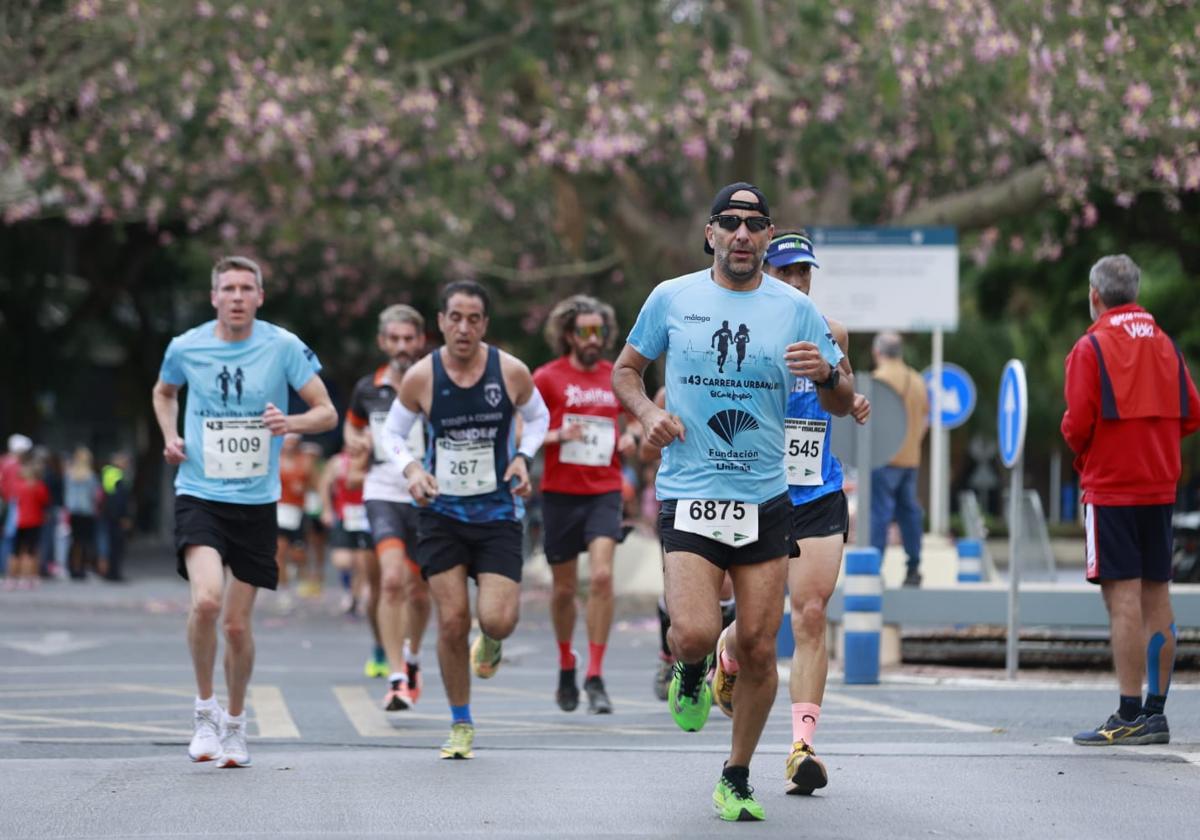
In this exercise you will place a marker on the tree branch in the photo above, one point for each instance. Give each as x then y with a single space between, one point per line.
424 67
527 276
984 205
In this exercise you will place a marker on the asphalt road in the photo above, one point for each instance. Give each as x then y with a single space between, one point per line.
95 703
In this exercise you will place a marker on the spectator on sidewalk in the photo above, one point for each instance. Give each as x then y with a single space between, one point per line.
32 500
49 559
10 469
115 516
83 496
894 486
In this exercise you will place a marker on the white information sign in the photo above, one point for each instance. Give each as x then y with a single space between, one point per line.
881 278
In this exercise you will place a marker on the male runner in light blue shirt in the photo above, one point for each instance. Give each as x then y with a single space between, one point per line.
722 482
237 371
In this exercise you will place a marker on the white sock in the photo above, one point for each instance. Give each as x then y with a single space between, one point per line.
209 705
394 677
238 719
410 657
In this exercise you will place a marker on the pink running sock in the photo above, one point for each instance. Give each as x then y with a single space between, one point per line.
566 658
728 663
804 721
595 659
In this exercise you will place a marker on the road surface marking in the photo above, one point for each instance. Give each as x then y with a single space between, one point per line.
904 715
271 712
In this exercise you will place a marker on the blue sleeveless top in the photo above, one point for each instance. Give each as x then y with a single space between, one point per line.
482 412
804 404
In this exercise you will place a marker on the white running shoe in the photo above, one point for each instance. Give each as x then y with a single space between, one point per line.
233 745
206 735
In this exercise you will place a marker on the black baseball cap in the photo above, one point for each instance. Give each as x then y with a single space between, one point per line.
724 201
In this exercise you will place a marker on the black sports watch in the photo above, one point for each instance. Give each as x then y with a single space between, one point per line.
832 381
528 460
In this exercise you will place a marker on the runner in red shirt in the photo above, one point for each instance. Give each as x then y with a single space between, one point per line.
581 484
1130 399
32 498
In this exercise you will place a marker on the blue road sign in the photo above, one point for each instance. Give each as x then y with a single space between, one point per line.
958 395
1012 412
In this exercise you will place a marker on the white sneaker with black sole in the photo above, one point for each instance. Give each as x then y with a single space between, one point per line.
206 734
233 744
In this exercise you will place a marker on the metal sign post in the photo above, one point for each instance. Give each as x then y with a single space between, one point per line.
1012 416
953 403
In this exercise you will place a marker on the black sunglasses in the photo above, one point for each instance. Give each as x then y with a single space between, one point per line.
754 224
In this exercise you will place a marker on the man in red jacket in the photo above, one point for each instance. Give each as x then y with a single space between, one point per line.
1130 399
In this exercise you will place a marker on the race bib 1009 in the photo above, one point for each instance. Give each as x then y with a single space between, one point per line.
236 447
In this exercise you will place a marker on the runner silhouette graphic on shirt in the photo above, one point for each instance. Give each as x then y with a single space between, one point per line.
239 380
721 339
223 379
740 340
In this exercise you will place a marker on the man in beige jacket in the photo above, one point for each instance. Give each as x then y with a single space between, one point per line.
894 487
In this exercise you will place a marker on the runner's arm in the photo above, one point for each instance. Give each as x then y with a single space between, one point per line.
535 417
860 407
165 397
406 410
320 417
660 427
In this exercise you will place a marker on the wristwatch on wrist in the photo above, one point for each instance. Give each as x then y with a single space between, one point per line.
832 381
528 460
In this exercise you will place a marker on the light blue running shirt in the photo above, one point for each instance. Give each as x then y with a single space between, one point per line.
727 380
231 456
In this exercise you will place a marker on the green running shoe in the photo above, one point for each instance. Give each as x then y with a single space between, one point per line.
735 801
458 745
689 711
485 656
376 668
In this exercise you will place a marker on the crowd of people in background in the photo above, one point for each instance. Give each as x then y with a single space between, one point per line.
63 517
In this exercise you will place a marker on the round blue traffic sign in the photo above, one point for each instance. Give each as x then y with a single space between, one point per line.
1012 412
958 395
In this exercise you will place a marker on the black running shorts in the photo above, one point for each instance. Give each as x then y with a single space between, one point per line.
1128 542
571 522
444 543
393 521
824 516
244 536
774 536
353 540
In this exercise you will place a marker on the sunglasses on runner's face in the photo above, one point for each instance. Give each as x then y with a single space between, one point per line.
754 224
598 331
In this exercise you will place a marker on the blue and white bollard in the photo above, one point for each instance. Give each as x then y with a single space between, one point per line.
970 561
862 616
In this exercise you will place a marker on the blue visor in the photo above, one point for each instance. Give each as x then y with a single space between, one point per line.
789 249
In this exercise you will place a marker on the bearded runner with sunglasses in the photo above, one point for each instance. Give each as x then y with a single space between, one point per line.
581 485
722 483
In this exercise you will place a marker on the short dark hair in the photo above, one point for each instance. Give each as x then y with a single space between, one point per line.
469 288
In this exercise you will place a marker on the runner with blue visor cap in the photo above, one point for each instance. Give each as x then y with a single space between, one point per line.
790 248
